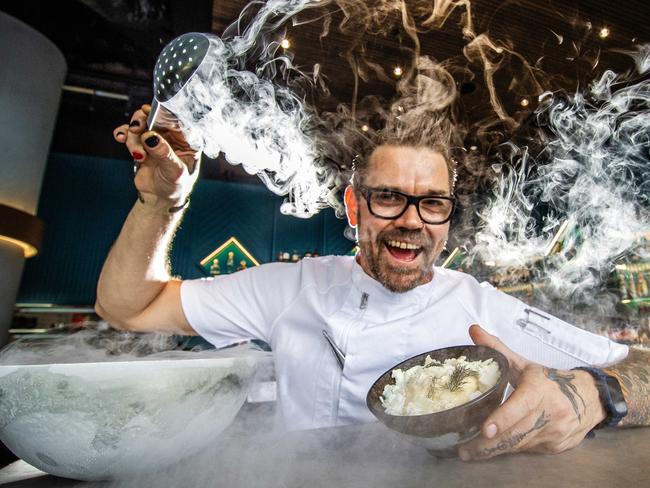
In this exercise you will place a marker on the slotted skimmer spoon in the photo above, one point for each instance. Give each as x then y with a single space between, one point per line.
182 59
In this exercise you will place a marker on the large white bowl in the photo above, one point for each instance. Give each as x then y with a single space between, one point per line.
93 421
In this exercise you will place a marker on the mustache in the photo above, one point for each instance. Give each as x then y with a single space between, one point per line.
417 237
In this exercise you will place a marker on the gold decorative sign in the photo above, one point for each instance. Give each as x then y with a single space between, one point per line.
229 257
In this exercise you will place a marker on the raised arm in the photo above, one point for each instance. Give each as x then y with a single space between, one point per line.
135 289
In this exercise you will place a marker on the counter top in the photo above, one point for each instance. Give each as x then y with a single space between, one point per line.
371 456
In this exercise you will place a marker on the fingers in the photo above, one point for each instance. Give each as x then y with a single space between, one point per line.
167 171
522 435
482 338
125 132
135 146
171 167
523 403
138 123
119 133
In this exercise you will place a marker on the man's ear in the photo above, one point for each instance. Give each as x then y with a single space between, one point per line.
351 208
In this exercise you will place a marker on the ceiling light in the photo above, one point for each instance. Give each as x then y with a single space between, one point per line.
604 33
285 43
397 71
524 102
365 128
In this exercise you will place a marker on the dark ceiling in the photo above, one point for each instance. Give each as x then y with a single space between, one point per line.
531 28
112 45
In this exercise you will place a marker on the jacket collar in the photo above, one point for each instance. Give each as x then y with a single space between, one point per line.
367 284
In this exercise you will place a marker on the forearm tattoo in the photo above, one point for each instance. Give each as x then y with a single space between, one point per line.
564 381
515 439
633 374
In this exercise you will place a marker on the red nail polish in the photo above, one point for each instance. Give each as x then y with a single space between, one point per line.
137 155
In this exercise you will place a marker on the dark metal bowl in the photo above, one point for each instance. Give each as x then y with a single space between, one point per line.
441 432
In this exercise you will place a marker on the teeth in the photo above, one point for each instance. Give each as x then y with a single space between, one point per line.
403 245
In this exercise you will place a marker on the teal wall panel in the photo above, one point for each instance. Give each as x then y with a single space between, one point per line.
85 200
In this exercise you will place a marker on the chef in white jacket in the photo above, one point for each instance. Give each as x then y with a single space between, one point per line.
386 304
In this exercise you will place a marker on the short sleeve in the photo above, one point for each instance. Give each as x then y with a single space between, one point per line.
538 335
240 306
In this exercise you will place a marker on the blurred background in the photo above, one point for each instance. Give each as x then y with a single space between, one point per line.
62 205
83 188
74 69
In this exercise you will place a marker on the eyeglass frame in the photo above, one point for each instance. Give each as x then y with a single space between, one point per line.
410 200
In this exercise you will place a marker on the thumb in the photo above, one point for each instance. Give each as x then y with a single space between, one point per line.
482 338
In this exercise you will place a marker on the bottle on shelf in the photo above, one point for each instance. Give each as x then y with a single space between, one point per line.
215 269
631 287
622 286
642 286
230 262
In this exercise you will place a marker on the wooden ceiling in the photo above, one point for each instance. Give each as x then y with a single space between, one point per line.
560 39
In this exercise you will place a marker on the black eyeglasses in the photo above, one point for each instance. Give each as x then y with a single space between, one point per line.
391 205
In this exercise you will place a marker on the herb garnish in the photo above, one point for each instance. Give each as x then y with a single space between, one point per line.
458 376
432 388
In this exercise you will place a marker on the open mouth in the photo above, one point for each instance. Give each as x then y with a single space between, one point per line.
403 251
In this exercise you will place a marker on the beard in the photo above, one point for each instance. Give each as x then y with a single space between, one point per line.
396 278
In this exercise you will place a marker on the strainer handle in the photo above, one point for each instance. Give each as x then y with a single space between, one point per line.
161 118
153 115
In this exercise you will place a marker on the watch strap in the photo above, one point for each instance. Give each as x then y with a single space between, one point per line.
613 416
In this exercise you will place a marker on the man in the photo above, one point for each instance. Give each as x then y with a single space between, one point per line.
387 304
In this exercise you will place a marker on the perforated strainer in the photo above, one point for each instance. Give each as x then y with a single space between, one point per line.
182 59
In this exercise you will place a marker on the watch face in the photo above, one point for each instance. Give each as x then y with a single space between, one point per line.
618 400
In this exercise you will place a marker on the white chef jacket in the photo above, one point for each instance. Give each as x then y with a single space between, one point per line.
289 305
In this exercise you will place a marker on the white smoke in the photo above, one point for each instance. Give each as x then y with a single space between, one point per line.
255 121
641 57
593 173
93 345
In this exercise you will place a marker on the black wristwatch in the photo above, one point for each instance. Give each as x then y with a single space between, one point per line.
611 396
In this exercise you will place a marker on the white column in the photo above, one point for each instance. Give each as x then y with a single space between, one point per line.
33 71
